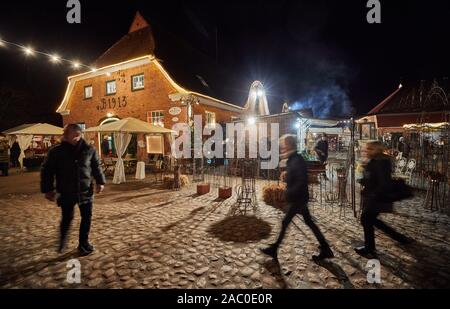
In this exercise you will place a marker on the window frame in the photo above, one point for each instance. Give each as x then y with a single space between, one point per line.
106 85
84 92
151 117
206 119
143 82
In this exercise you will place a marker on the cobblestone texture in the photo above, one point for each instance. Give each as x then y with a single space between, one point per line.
147 237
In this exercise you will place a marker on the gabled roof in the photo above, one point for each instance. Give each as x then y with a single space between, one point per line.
136 43
416 97
188 66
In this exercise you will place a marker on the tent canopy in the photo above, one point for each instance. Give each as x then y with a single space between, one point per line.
323 123
22 126
129 125
35 129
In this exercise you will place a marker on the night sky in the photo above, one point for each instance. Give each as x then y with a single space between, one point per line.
322 53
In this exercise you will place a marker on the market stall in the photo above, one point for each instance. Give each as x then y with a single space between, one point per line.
33 136
309 131
122 131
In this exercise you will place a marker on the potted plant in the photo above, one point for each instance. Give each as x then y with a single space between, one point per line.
225 190
203 187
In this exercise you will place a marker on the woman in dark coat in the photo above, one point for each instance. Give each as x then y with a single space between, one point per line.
377 182
14 154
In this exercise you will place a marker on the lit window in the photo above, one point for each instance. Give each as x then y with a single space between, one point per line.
137 82
210 118
156 118
88 92
111 87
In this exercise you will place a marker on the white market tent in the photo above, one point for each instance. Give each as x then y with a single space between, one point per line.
314 125
22 126
26 132
122 130
35 129
129 125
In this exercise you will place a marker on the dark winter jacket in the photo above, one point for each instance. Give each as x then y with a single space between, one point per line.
15 149
297 181
322 146
74 167
377 183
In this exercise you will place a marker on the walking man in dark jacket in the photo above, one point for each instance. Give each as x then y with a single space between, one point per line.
297 196
73 163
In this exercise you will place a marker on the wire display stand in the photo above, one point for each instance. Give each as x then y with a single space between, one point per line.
246 192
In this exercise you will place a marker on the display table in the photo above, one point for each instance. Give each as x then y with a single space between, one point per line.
140 170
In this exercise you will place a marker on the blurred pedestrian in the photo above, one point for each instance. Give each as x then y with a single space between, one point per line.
377 183
297 196
14 154
73 162
321 148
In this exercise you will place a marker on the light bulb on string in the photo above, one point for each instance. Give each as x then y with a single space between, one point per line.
55 58
28 51
75 64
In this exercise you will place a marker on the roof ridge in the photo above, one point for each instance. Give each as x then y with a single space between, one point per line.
383 103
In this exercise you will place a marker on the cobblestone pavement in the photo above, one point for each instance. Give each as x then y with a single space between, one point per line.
148 237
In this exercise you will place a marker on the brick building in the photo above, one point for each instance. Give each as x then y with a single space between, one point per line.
151 75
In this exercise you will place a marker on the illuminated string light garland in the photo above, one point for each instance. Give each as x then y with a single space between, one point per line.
54 58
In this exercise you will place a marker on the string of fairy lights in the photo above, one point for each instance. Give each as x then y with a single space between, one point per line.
54 58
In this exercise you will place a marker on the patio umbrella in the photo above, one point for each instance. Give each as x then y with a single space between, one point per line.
122 130
25 134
